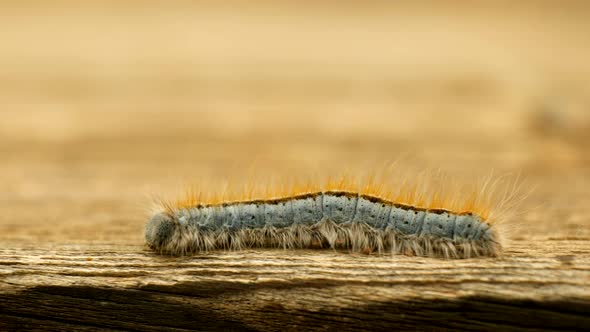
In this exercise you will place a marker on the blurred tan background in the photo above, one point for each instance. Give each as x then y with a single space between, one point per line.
103 103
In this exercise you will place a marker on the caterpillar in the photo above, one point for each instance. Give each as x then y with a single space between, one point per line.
337 215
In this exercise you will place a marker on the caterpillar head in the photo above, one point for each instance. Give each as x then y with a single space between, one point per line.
159 230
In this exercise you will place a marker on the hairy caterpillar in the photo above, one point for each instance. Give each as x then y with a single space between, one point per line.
336 215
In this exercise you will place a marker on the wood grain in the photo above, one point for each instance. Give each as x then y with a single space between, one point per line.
104 104
127 287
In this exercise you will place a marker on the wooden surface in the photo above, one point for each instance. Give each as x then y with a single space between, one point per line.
126 287
104 105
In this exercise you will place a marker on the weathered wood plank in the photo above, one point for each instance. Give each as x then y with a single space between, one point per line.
128 287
